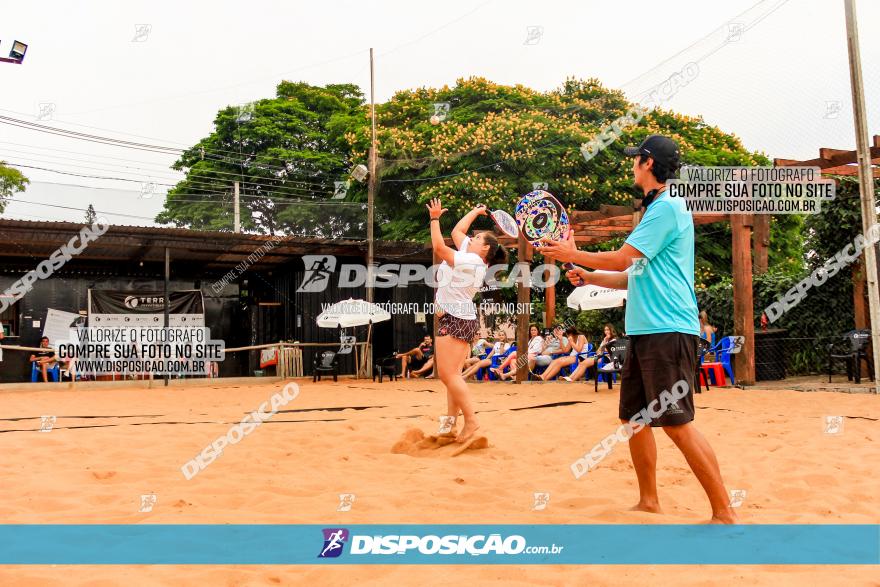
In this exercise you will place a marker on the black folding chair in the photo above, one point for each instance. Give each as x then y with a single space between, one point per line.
385 366
326 362
615 354
852 348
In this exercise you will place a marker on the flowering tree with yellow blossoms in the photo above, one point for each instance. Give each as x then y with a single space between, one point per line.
496 142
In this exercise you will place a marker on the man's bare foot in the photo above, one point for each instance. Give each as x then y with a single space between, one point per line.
645 506
470 428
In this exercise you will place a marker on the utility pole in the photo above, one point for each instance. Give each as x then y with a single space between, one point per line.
371 186
236 222
167 303
866 178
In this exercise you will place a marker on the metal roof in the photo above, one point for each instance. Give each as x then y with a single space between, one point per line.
29 241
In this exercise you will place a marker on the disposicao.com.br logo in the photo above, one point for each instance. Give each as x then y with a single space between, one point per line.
334 540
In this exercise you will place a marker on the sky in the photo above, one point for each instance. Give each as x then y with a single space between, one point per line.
775 72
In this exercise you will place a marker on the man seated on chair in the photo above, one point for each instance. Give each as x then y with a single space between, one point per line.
417 358
44 360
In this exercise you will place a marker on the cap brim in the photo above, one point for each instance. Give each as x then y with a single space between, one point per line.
631 151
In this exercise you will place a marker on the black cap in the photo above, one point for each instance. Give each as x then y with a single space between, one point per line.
661 149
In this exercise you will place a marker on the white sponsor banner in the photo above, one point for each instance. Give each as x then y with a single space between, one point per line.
58 325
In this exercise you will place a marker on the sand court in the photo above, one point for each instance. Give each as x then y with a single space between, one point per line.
107 448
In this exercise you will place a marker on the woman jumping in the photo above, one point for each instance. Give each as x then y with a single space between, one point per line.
459 277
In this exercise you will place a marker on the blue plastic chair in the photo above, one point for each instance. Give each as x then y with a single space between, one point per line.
496 362
586 353
722 355
482 373
54 373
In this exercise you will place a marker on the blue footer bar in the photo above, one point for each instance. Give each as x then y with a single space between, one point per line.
440 544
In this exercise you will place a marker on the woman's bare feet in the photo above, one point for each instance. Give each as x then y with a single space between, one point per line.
728 517
652 507
470 428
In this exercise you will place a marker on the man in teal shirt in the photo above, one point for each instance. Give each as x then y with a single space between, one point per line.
656 266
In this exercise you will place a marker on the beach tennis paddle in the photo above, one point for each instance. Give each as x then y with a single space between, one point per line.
505 222
541 216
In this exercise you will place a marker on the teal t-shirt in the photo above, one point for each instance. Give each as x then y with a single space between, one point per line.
660 296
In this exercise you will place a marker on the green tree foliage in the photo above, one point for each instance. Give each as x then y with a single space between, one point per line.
498 140
495 143
91 216
286 152
11 181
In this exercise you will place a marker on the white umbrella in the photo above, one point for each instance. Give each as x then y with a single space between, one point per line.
593 297
351 312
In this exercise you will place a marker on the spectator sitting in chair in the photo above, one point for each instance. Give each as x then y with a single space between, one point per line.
44 360
417 357
536 347
585 362
428 368
499 348
479 347
554 344
572 345
707 331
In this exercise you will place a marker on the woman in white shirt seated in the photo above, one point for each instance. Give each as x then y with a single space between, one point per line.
576 343
536 347
478 349
585 362
499 348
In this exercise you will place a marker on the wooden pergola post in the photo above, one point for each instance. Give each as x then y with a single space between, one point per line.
523 294
761 237
549 296
743 302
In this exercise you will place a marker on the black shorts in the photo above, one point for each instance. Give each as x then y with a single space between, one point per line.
654 364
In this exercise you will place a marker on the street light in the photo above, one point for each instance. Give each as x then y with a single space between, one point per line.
16 54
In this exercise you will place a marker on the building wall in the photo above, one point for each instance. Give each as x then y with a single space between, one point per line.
242 313
70 294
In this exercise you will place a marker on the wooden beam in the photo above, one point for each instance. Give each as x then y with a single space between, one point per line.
743 302
777 162
710 218
616 221
613 210
849 170
836 158
830 154
602 231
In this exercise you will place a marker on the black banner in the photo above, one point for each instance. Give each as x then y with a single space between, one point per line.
145 308
147 302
